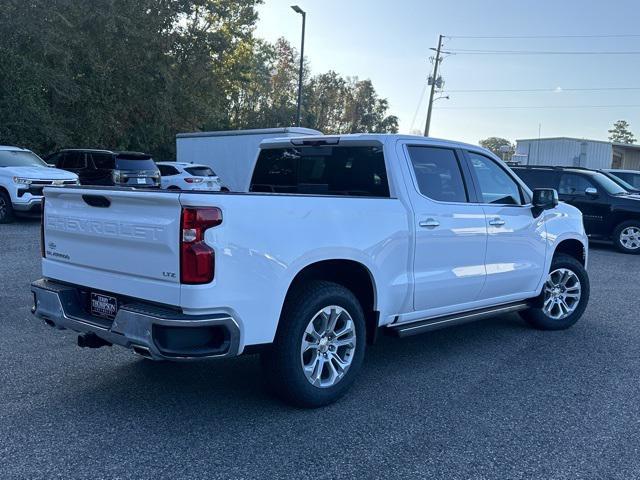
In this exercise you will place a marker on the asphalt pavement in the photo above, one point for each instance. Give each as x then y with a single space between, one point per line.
494 399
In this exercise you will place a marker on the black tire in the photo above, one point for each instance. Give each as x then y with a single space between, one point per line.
617 237
173 187
6 208
283 362
537 318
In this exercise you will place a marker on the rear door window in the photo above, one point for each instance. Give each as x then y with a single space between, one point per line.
322 170
538 178
167 170
75 160
438 173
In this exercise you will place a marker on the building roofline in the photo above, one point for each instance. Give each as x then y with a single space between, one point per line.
615 144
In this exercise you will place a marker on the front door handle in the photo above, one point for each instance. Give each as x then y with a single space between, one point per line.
496 222
429 223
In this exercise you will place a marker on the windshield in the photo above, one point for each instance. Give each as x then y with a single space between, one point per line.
20 158
200 171
609 185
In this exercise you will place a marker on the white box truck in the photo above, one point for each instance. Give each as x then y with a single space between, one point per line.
231 153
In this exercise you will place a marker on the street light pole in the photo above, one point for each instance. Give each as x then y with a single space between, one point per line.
297 9
434 80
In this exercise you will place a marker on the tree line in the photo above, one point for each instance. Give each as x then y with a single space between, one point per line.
130 74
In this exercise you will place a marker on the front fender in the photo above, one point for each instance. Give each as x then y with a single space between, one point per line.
563 223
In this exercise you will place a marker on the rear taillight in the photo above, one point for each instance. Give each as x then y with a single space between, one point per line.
193 180
42 248
197 259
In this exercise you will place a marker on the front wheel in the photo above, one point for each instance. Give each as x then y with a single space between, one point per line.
319 347
626 237
6 208
564 296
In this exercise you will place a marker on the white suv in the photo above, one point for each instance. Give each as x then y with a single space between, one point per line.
188 176
23 176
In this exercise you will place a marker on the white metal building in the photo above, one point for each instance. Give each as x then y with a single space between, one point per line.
576 152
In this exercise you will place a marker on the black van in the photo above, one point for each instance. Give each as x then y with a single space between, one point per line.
609 211
104 167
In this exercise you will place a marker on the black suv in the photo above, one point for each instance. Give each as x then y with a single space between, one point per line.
608 210
104 167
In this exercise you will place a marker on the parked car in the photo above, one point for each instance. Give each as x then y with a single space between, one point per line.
187 176
632 177
359 235
628 187
609 211
23 176
104 167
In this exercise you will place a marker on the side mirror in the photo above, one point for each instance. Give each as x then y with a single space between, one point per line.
544 199
591 192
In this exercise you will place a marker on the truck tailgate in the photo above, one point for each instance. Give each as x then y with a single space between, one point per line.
120 241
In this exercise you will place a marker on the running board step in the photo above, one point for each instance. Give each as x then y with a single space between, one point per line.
422 326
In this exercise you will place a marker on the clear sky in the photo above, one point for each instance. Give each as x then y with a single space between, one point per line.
388 42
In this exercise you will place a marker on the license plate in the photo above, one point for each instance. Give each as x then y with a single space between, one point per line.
104 305
142 181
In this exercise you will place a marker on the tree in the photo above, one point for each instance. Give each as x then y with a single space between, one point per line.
496 144
130 74
620 133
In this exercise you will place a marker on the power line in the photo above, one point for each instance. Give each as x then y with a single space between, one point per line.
545 90
537 107
415 115
613 35
462 51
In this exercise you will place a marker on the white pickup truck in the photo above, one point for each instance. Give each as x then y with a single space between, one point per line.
340 238
23 176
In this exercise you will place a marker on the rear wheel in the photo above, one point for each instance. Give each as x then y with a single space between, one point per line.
626 237
6 208
319 347
564 296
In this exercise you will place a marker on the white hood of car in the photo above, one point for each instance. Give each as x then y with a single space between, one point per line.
38 173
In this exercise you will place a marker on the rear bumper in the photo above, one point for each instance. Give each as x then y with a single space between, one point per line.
155 332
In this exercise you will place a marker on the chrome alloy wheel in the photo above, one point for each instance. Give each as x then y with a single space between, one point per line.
328 346
562 292
630 238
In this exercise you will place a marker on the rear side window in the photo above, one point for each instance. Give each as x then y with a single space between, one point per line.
200 171
74 160
438 173
323 170
102 161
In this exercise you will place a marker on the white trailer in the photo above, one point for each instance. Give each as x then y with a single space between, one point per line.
232 153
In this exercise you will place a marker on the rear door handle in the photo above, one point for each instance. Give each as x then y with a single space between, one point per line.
496 222
429 223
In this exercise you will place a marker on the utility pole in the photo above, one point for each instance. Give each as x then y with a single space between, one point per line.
434 80
297 9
